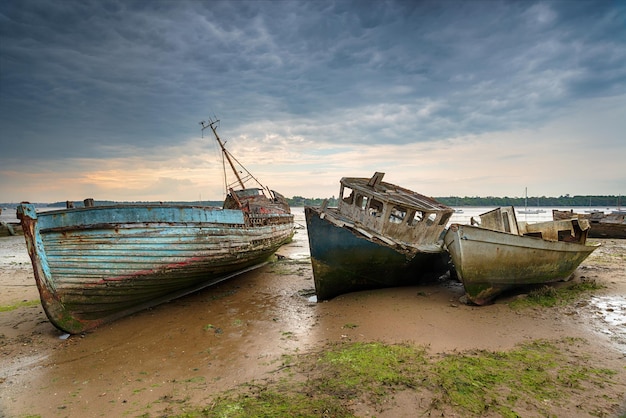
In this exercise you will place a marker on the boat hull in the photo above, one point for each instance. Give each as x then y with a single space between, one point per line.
602 225
94 265
491 262
10 229
344 261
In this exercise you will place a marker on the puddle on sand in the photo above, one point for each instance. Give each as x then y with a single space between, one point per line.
611 309
609 316
298 249
17 365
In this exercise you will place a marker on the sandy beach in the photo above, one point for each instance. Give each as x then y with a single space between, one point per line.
165 360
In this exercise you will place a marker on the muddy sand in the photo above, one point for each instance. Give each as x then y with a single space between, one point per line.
195 347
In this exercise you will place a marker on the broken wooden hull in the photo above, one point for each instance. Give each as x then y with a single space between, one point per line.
608 229
490 262
344 260
10 229
602 225
96 264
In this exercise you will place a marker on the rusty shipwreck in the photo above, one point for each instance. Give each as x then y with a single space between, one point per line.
379 235
501 253
95 264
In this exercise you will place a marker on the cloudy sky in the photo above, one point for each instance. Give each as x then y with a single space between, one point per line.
103 99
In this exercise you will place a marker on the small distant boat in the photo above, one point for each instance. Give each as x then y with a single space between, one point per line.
603 225
458 210
380 235
619 210
502 254
527 211
95 264
531 211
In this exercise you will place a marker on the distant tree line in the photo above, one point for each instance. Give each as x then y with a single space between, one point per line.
307 201
565 200
455 201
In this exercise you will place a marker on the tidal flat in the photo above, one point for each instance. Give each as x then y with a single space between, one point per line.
260 341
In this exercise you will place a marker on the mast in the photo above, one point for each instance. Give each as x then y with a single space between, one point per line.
231 161
526 198
225 152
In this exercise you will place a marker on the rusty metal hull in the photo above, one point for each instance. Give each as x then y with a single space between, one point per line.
94 265
344 260
490 262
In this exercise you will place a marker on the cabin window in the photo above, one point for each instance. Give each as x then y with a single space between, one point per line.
430 218
417 218
361 201
444 219
375 208
397 214
249 192
350 198
567 236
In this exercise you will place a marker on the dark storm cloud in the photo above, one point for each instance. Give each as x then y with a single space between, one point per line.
80 78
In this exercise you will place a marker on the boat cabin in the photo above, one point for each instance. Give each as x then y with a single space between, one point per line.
392 211
254 200
503 219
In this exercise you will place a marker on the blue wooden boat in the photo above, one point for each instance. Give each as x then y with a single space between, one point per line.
501 254
95 264
379 235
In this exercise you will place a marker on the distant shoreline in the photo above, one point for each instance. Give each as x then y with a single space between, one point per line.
586 201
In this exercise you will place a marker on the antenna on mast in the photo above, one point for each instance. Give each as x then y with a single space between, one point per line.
212 124
230 158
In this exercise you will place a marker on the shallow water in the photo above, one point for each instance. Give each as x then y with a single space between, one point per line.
608 315
611 309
